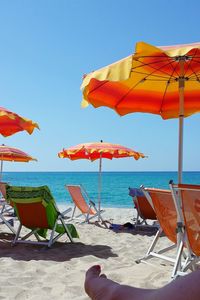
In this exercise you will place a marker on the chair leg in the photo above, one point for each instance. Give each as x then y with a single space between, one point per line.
52 235
67 231
7 223
152 246
73 212
17 234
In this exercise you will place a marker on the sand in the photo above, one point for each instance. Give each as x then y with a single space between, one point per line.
35 272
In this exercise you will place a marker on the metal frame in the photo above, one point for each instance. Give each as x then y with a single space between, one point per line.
181 261
87 217
192 259
140 220
6 208
46 242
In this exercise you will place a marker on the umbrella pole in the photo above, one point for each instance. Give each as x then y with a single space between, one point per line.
181 120
1 170
99 186
180 150
178 202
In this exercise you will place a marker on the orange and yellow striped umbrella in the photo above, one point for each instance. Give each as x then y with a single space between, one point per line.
158 80
10 123
148 81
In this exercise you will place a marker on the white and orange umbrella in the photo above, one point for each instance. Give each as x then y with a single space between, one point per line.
99 150
13 154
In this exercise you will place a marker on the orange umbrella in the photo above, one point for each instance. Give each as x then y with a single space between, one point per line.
158 80
11 123
99 150
13 154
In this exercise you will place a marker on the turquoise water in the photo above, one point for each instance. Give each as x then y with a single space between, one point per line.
114 184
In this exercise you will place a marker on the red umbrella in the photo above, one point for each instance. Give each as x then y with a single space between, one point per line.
99 150
13 154
10 123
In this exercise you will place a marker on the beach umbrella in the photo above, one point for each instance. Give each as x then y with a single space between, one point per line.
13 154
99 150
158 80
10 123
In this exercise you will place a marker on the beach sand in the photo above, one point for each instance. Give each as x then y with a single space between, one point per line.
35 272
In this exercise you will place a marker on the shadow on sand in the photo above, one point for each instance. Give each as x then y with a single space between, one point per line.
134 230
59 251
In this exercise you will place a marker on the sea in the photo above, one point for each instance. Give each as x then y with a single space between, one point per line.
114 185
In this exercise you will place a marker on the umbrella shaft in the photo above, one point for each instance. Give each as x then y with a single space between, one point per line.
99 194
181 120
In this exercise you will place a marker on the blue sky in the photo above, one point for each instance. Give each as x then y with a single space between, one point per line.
46 47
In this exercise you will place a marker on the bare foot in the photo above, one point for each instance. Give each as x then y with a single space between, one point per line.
99 287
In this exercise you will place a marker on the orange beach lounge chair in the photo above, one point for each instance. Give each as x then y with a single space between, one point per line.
36 209
144 210
85 205
187 203
165 210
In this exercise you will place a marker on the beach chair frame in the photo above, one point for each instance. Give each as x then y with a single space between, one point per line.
91 213
177 193
53 236
181 258
6 209
142 217
29 204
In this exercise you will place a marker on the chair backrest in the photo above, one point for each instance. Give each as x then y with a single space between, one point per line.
190 197
3 192
165 211
142 205
78 198
34 205
144 208
3 189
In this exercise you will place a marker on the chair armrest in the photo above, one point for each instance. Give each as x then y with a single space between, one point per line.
92 203
63 213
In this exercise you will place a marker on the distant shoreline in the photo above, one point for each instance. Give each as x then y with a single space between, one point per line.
98 171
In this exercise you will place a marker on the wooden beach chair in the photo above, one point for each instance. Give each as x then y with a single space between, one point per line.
6 209
36 210
81 200
165 210
143 208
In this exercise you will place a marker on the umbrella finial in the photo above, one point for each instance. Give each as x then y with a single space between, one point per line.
101 141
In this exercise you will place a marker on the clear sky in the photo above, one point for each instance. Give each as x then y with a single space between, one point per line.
46 47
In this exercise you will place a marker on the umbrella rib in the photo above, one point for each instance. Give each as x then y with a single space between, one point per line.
151 63
194 77
194 74
158 69
122 98
153 75
165 91
189 65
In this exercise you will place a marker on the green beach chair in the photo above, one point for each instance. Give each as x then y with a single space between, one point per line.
36 209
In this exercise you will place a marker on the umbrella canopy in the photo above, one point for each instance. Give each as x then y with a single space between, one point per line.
96 150
99 150
10 123
13 154
158 80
